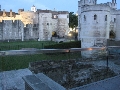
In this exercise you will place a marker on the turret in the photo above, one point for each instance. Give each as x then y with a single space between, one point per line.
112 1
87 2
33 8
4 14
114 4
10 12
0 7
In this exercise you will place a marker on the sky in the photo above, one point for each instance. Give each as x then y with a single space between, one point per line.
58 5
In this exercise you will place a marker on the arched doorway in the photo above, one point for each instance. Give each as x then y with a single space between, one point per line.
112 35
54 34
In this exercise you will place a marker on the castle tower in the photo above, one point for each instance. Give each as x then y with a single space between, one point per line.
93 22
33 8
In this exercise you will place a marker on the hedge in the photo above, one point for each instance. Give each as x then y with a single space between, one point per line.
65 45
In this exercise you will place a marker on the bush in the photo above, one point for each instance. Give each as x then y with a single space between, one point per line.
65 45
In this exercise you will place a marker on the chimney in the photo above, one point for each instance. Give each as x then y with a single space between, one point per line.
4 14
10 12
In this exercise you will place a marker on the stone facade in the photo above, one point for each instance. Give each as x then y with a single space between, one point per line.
37 24
11 30
96 22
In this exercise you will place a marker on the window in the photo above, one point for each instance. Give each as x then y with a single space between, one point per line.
95 17
34 25
84 18
105 17
67 16
55 16
114 19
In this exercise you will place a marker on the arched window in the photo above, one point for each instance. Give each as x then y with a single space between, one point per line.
84 18
95 17
105 17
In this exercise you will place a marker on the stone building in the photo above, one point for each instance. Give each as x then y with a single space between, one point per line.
37 24
97 22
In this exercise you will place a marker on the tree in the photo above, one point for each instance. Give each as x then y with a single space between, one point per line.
73 22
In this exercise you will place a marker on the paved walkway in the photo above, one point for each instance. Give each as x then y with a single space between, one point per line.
12 80
107 84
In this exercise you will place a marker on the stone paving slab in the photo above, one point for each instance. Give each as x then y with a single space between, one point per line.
12 80
107 84
42 82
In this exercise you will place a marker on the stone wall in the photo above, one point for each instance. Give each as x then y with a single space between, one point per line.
47 21
31 32
1 31
11 30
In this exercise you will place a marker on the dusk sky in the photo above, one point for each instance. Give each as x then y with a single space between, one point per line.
59 5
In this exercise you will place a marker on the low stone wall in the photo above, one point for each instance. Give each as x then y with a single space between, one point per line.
113 43
41 82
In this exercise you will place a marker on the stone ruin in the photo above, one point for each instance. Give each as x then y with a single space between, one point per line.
71 73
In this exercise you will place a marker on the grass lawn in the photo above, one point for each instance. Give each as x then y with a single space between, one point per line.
20 62
24 44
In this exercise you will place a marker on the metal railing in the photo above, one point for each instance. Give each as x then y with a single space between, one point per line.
41 51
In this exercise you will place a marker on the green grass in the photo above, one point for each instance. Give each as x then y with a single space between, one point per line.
24 44
20 62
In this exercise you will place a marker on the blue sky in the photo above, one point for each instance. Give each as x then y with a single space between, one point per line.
59 5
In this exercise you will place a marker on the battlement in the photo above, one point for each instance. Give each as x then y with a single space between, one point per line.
83 3
53 12
98 7
86 2
7 14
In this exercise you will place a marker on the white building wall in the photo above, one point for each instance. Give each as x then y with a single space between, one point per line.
118 27
93 32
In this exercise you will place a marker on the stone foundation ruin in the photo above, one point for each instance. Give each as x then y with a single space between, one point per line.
71 73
